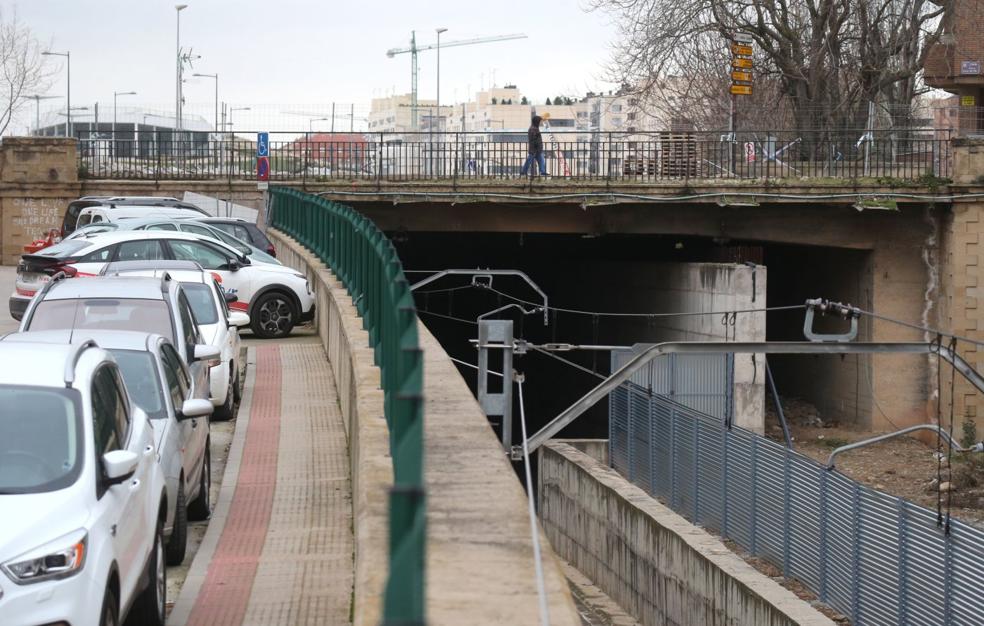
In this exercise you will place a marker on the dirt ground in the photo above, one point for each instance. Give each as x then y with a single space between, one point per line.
905 467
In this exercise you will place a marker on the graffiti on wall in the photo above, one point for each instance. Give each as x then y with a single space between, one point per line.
35 216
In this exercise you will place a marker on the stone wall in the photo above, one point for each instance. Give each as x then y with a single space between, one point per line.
657 566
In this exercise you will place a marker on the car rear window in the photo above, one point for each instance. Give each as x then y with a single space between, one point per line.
66 248
202 302
148 316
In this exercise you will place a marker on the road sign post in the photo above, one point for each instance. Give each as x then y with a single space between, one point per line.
262 159
741 84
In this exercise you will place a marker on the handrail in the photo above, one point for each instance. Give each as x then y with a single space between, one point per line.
369 267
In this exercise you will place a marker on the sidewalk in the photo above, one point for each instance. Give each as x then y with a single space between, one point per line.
279 548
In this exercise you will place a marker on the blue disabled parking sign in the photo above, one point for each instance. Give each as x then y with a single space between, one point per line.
262 144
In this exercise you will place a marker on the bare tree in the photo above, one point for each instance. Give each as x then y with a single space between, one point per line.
817 63
23 70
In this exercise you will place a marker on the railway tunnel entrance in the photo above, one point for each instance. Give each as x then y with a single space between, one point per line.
593 282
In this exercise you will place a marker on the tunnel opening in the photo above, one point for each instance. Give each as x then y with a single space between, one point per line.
615 273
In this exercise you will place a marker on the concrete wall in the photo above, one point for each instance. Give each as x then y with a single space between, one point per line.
657 566
479 550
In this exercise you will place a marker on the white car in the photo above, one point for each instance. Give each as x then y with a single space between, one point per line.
276 298
159 383
82 496
219 326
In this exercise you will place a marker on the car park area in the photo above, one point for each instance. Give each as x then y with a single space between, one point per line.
164 330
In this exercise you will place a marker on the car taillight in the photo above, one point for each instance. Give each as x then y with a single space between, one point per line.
271 250
62 268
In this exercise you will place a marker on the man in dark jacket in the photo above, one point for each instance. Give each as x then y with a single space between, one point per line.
535 148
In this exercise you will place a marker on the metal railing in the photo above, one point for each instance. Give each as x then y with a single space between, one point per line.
369 267
877 558
460 158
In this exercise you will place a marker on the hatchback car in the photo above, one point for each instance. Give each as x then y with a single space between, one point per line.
82 534
141 304
219 326
277 298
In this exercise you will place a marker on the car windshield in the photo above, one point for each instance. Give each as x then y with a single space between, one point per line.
202 302
92 229
40 439
142 381
149 316
64 249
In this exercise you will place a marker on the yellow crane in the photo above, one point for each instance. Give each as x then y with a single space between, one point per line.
414 49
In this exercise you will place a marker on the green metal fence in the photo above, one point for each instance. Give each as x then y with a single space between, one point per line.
366 262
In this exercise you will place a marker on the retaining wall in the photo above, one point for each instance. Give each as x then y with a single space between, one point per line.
656 565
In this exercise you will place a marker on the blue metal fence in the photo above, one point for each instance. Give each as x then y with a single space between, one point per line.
877 558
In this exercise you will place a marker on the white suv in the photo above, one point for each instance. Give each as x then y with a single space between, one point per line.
277 298
83 499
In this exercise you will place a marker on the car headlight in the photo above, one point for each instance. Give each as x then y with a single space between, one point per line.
60 558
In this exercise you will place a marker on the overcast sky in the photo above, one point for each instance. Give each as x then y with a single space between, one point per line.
314 51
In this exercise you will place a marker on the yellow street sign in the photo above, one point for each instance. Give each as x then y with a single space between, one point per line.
740 49
741 76
741 90
742 63
967 101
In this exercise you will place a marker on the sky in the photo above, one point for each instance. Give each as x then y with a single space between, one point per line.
317 51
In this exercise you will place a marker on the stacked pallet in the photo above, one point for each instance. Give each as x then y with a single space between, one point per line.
678 155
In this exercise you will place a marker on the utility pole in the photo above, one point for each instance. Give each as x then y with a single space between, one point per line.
177 54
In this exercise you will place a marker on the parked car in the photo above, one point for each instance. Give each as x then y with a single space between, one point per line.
159 383
276 298
242 229
74 208
183 225
140 304
219 326
114 214
83 500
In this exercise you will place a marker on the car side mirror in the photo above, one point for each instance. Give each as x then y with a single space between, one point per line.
194 408
238 319
233 265
230 297
119 465
209 354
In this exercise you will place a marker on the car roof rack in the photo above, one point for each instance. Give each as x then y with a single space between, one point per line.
73 360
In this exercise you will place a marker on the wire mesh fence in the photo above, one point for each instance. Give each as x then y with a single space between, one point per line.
474 156
877 558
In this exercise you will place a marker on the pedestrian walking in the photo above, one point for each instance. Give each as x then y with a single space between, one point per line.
534 148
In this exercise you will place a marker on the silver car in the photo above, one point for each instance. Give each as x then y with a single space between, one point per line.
159 383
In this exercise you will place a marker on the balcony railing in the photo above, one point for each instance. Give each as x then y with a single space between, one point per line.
623 157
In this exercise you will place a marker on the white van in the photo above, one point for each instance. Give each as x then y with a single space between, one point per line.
97 214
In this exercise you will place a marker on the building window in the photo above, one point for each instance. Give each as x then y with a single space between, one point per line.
630 116
616 108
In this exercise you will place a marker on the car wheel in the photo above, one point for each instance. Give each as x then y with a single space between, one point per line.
273 315
226 411
110 613
178 543
148 610
201 508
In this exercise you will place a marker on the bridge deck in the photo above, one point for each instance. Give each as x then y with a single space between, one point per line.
279 548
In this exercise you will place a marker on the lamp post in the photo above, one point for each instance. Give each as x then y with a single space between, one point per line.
116 94
315 119
231 109
438 108
215 77
37 110
68 89
177 101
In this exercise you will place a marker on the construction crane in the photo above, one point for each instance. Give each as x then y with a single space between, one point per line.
414 49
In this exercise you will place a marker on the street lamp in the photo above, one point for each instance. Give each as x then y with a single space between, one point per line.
116 94
37 110
216 78
439 31
68 90
316 119
231 109
177 102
